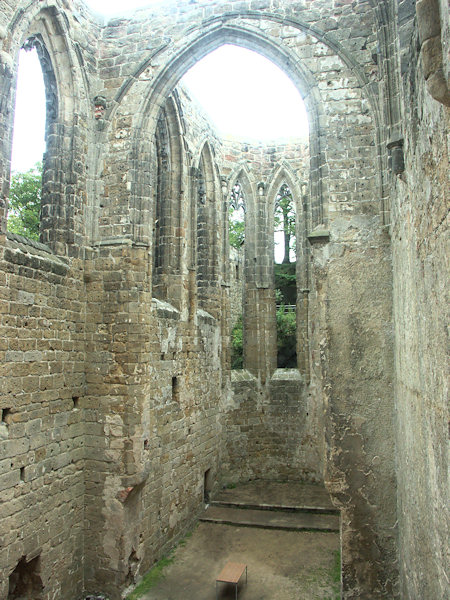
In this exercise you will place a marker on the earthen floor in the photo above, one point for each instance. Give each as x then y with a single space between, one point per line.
282 565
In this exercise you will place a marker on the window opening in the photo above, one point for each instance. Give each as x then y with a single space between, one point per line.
203 249
285 238
25 581
160 218
236 232
268 106
28 142
285 278
175 390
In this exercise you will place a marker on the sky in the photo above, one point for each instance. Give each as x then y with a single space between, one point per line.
245 95
29 121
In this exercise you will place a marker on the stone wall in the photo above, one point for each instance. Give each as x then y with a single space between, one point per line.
42 429
153 385
420 264
273 432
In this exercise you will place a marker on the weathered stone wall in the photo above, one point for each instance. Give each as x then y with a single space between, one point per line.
153 398
273 429
42 428
272 432
420 266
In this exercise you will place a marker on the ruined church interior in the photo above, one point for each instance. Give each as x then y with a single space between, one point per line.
144 372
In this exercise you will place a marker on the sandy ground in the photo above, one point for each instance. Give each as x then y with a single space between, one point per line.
282 565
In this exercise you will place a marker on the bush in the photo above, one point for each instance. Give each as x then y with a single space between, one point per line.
237 345
286 338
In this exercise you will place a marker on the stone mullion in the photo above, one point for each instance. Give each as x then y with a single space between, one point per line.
303 285
260 354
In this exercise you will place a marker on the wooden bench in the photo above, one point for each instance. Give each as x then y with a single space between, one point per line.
231 573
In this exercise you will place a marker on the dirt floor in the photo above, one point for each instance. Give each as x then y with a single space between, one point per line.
282 565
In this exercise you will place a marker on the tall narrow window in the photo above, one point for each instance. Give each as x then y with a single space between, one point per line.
28 144
236 229
202 232
207 194
161 207
285 277
285 240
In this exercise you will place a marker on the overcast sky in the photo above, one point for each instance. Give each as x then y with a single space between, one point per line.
246 96
29 118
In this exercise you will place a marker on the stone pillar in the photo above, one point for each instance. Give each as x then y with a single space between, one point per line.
260 337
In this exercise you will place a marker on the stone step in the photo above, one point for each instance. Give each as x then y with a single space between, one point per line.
268 519
324 510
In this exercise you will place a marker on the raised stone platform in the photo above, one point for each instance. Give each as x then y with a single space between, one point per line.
273 505
277 495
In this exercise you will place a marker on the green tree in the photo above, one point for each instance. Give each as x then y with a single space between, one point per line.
285 220
236 230
236 217
25 202
286 338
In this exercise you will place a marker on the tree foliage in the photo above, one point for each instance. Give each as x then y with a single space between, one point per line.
286 338
236 230
285 220
286 283
236 217
237 345
286 299
25 202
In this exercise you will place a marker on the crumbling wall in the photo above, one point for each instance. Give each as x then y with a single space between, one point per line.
272 432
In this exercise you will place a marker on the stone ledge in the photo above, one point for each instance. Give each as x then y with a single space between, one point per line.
164 310
238 375
287 375
205 317
23 251
319 235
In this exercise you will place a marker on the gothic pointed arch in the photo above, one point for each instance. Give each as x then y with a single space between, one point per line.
282 175
167 204
64 174
206 200
202 45
241 183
